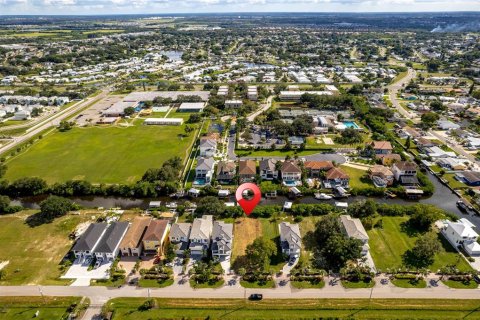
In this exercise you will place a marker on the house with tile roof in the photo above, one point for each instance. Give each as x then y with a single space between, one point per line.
247 170
291 173
226 171
336 177
155 235
315 168
382 147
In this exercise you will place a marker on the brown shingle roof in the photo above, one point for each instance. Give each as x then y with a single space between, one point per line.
382 145
377 169
290 166
406 165
318 165
156 230
247 167
336 173
135 232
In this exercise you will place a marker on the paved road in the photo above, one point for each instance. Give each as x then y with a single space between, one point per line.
339 159
395 87
455 147
52 121
263 108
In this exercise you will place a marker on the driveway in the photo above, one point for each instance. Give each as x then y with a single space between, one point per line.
80 271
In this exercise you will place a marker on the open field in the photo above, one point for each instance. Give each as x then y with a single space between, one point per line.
387 245
245 230
356 175
34 253
126 309
22 308
100 154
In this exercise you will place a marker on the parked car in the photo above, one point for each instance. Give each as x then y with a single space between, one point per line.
256 296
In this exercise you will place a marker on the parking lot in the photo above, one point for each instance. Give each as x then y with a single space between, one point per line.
93 113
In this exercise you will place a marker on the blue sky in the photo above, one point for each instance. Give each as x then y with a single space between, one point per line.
197 6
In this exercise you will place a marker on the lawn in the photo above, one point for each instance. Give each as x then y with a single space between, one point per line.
151 283
23 308
409 283
307 227
356 180
215 285
356 285
307 284
100 154
461 285
452 182
35 252
387 245
127 309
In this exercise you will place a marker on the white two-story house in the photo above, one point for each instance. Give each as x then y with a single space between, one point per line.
201 235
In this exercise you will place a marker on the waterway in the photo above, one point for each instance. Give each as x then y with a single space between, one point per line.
443 198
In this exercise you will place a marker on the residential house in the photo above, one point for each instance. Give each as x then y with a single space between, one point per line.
132 244
201 234
290 239
268 169
405 172
179 236
451 164
207 147
155 235
382 147
382 176
89 240
109 245
315 168
222 240
226 171
461 234
291 173
233 103
204 170
447 125
336 177
353 228
247 170
470 178
423 144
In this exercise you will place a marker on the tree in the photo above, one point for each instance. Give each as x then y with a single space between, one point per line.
437 106
302 125
3 170
29 186
423 217
188 129
129 111
327 226
194 118
423 253
349 136
363 209
408 143
55 206
210 205
65 126
429 119
338 249
258 254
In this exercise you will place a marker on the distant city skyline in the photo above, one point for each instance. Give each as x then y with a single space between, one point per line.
95 7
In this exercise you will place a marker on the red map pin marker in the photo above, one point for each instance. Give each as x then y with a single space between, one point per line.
248 204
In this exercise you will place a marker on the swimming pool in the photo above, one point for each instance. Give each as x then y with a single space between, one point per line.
351 124
290 183
199 182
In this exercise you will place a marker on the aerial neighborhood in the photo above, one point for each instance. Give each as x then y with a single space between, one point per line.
126 141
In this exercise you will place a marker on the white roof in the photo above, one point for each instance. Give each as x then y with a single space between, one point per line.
192 106
462 228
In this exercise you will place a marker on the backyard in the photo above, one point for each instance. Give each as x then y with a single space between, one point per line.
127 309
388 244
34 253
100 154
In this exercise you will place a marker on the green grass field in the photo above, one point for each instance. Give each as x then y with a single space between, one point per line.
356 175
23 308
127 309
100 154
34 253
387 245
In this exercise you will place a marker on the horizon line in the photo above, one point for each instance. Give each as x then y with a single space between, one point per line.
234 12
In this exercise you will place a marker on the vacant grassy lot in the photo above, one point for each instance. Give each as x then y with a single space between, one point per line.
126 309
387 245
34 252
100 154
23 308
245 230
356 177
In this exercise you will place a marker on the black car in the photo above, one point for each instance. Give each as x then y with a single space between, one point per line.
462 206
256 296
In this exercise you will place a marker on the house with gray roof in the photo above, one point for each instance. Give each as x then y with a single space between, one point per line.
222 239
268 169
201 235
179 236
204 170
89 240
353 228
290 239
109 245
207 147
